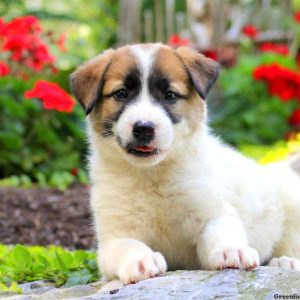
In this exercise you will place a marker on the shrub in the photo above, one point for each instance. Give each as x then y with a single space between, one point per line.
42 139
247 112
35 141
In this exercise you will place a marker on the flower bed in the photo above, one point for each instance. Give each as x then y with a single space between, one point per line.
42 136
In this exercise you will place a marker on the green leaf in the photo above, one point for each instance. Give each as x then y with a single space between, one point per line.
23 264
43 260
60 262
13 288
79 277
22 256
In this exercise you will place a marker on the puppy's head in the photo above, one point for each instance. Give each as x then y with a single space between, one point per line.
143 99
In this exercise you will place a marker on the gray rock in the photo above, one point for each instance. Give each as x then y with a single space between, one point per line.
36 287
261 283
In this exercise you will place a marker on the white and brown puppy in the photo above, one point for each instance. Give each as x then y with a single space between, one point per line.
165 192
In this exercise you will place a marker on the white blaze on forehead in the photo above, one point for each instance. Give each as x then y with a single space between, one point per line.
144 109
145 57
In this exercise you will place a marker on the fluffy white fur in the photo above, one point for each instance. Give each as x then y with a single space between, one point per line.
201 205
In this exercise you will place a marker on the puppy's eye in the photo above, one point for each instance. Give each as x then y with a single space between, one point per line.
121 94
170 96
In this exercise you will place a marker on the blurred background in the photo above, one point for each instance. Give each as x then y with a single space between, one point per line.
255 106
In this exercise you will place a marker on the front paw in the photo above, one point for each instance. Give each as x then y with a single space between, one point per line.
234 257
138 269
285 262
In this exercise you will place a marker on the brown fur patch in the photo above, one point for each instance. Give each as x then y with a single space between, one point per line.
203 71
85 80
101 116
123 61
169 64
192 110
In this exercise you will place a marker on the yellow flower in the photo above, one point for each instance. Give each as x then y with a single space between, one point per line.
283 152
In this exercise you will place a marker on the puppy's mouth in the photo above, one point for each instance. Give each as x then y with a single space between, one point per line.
142 151
138 150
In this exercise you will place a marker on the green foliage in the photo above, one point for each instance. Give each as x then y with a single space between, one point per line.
90 26
245 113
43 144
19 264
58 180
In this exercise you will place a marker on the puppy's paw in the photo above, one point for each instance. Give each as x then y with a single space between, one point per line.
149 266
285 262
243 258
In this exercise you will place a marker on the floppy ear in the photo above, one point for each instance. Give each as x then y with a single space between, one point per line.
203 71
87 81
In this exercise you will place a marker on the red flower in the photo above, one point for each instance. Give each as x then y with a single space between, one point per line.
22 38
210 53
3 28
176 41
25 25
61 42
281 81
251 31
297 16
52 95
74 171
28 49
294 119
276 48
4 69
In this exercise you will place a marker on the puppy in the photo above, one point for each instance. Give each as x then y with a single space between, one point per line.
165 191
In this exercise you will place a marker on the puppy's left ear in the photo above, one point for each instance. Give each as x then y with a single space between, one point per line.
203 71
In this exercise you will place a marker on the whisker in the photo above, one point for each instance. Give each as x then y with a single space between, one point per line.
106 133
104 121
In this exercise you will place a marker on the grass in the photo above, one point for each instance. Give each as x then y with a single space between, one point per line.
19 264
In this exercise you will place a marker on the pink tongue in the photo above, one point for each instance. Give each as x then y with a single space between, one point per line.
144 149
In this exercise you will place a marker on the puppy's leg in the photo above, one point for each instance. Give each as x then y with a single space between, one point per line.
130 260
223 244
285 262
287 252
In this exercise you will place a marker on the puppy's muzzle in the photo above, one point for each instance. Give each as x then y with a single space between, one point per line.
143 132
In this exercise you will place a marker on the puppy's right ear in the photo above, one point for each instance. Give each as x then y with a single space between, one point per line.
87 81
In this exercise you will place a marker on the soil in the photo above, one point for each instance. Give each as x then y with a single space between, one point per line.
43 216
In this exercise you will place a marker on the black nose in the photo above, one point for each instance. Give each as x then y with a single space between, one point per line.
143 131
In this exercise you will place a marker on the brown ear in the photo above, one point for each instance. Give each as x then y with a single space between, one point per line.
203 71
87 81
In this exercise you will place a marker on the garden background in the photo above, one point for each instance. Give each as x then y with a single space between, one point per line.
255 106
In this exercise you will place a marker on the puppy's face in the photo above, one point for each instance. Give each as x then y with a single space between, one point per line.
143 99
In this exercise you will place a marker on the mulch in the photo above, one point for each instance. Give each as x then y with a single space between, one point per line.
43 216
